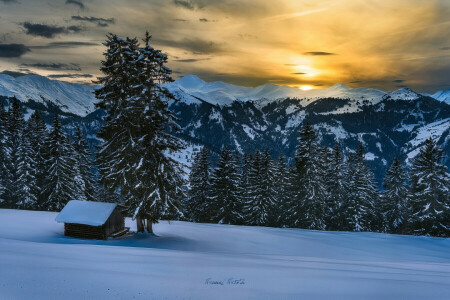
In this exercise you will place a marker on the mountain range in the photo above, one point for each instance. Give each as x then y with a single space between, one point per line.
268 116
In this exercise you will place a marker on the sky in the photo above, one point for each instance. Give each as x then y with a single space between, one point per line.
386 44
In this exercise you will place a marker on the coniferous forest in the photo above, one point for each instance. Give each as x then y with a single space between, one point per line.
320 188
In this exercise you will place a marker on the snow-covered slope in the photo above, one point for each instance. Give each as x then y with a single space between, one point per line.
190 88
74 98
205 261
403 94
442 96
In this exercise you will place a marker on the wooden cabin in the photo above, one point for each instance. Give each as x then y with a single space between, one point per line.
92 220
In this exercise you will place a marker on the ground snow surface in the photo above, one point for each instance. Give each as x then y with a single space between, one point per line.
206 261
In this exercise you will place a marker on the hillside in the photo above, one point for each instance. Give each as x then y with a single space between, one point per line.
192 261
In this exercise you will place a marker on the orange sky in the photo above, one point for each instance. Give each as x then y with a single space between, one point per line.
310 44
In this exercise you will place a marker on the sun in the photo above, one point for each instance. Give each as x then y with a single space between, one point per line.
306 87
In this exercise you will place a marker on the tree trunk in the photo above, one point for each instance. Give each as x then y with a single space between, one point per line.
139 224
149 226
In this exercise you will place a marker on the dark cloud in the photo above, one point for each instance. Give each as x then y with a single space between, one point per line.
69 44
204 20
319 84
16 74
102 22
77 3
185 4
318 53
13 50
48 31
356 81
299 73
180 20
445 48
70 75
398 80
9 1
54 66
194 45
190 60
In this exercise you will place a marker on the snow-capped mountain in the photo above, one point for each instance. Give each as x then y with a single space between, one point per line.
72 98
269 116
442 96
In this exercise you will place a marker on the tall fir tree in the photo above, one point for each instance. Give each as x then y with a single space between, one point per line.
261 194
25 184
225 190
4 155
60 184
16 125
280 180
199 206
395 198
133 158
337 190
38 135
430 195
309 182
84 159
360 212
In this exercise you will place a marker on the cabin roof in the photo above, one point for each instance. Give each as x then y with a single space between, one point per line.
86 212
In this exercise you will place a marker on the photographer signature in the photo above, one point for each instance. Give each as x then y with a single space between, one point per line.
229 281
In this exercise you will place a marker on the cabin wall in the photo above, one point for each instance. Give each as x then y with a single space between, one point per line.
85 231
115 222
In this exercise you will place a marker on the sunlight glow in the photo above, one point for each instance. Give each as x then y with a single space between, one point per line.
306 87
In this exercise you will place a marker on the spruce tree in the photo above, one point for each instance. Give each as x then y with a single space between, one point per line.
337 190
430 195
4 155
84 159
309 182
225 190
60 184
360 210
261 193
137 135
280 180
25 185
16 125
394 198
199 205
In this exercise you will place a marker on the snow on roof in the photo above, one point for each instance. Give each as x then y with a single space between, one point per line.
85 212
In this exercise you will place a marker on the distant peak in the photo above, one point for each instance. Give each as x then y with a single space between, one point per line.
340 86
190 81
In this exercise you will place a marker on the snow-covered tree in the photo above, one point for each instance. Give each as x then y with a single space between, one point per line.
4 155
199 206
133 158
309 182
280 180
430 192
25 185
337 190
88 186
60 184
360 208
225 190
395 198
261 194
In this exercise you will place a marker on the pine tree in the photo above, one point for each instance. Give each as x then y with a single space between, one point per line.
137 135
25 185
83 156
280 180
4 156
394 198
360 208
199 206
310 190
37 134
60 184
16 125
337 191
430 196
261 193
224 192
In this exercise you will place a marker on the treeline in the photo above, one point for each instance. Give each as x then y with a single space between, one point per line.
322 189
42 169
